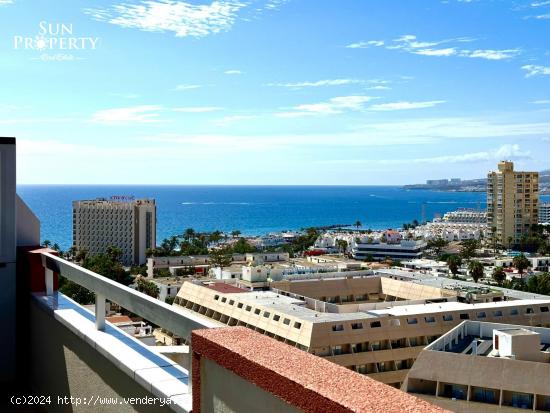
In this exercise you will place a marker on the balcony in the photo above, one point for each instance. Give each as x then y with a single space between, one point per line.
69 358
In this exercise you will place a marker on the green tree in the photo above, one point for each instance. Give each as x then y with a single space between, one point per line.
510 240
476 270
437 244
342 245
468 248
46 243
220 257
235 233
499 275
454 262
242 246
357 224
76 292
189 234
147 287
521 263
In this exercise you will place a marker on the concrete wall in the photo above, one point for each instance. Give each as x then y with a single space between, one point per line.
63 364
222 391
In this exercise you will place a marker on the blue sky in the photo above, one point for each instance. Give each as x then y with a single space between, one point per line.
274 91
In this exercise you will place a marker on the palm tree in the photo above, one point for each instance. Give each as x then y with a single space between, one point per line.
521 263
476 270
189 233
357 224
499 275
510 240
454 262
47 243
235 233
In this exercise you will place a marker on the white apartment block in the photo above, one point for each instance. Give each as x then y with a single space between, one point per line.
122 222
544 213
466 216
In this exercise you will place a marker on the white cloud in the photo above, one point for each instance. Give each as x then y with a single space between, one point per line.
319 83
233 72
543 16
233 118
365 45
198 109
540 3
540 102
379 87
136 114
5 2
409 43
453 128
536 70
332 106
491 54
505 152
405 105
450 51
181 18
186 87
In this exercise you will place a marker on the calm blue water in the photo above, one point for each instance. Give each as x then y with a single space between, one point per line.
250 209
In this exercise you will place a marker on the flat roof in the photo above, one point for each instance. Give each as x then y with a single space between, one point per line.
517 331
225 288
452 306
443 282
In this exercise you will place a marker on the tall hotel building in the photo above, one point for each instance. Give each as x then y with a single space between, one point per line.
121 222
512 202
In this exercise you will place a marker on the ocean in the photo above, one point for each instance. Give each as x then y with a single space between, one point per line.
253 210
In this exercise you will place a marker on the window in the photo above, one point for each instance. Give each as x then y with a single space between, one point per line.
338 327
497 313
356 326
248 308
514 311
276 317
481 314
240 305
375 324
412 321
429 319
257 311
224 299
286 321
216 297
231 302
266 314
297 325
447 317
544 309
529 310
464 316
337 350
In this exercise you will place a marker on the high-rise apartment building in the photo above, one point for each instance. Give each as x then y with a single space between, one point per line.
544 213
122 222
512 202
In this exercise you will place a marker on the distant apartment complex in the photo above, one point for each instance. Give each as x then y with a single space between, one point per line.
466 216
372 325
500 365
443 182
121 222
544 213
512 202
375 250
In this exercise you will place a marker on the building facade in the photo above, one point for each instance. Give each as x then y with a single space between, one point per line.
502 366
128 224
544 213
405 250
512 202
466 216
373 325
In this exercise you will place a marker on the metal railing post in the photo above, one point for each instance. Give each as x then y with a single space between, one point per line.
100 312
48 274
